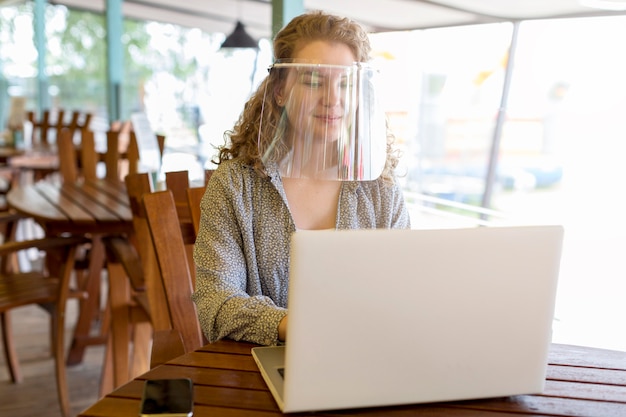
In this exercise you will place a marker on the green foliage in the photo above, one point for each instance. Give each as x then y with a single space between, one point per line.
76 55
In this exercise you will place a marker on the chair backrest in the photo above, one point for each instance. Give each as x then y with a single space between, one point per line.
78 123
46 128
132 152
44 125
89 157
174 266
137 185
178 183
194 198
68 160
85 160
168 339
112 157
122 156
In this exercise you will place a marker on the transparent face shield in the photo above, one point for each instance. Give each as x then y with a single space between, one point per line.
328 125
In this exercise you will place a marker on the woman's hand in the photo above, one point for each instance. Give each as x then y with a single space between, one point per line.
282 329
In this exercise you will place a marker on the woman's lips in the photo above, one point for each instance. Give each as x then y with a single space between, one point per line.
328 118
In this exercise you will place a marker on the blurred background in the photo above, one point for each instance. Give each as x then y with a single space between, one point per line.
509 122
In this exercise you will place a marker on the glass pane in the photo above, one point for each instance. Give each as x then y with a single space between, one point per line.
560 159
443 95
567 107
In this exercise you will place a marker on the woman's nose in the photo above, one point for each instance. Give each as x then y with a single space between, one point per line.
334 96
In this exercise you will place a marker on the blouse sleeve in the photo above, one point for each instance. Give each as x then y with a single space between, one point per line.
400 218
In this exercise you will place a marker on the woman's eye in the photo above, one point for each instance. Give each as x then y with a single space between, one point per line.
311 80
316 80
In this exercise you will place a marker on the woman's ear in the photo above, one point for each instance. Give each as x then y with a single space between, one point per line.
278 96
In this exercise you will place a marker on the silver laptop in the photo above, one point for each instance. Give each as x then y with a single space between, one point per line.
389 317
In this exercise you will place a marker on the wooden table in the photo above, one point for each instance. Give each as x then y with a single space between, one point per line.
40 161
93 208
581 381
8 152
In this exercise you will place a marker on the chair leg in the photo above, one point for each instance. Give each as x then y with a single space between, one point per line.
9 348
106 376
58 331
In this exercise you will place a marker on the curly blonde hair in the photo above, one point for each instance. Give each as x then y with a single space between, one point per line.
249 132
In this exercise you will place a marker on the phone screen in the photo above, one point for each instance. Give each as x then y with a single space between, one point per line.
167 397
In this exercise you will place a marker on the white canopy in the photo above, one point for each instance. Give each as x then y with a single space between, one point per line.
377 15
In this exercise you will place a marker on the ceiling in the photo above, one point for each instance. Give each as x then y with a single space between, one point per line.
376 15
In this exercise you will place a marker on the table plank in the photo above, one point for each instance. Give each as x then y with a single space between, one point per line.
209 376
217 360
560 354
242 348
75 213
37 203
80 197
597 392
227 397
116 190
113 200
108 407
35 160
588 375
543 405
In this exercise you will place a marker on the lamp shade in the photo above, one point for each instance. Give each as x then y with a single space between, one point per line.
239 38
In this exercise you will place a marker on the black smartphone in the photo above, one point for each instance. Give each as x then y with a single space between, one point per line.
167 397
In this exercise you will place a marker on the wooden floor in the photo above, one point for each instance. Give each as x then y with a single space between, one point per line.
36 395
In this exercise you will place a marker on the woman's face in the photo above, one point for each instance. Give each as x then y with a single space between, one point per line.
314 97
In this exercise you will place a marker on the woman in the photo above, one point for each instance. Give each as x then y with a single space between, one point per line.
291 164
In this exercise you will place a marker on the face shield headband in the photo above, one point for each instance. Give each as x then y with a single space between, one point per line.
325 122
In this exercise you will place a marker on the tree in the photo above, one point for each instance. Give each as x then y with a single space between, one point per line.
76 59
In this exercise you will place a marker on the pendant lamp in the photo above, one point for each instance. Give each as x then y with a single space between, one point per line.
239 38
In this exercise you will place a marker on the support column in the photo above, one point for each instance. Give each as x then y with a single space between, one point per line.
43 98
4 99
115 58
501 119
283 11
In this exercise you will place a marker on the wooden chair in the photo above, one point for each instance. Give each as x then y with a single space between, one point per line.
132 152
78 122
44 126
128 264
133 272
44 129
178 183
68 159
80 162
194 197
49 288
129 316
120 158
113 158
177 277
6 182
147 277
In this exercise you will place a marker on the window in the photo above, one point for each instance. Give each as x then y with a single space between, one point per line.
561 150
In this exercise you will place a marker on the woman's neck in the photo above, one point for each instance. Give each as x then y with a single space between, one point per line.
312 203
